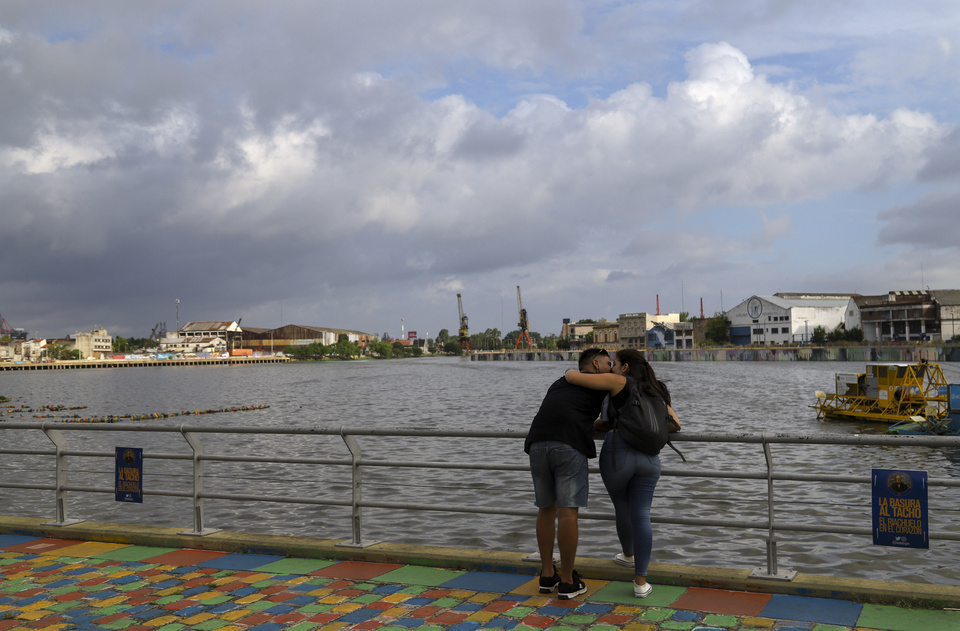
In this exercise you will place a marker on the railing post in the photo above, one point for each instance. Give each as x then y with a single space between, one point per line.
772 571
61 496
197 446
356 510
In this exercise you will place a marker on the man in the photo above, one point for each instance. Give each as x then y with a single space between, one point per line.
559 443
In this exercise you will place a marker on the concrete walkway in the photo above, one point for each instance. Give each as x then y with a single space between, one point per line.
80 583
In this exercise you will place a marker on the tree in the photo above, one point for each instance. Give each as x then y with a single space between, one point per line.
819 336
452 347
344 348
443 337
684 316
718 329
399 350
588 338
383 348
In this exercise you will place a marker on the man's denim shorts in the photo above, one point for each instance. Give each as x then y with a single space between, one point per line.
560 475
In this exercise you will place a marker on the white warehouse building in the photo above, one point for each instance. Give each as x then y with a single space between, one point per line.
785 317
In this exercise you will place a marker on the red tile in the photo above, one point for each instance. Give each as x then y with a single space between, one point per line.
326 616
542 622
381 605
69 596
350 592
27 593
436 593
281 597
503 605
424 612
287 618
721 601
449 617
185 557
42 546
369 624
355 569
254 619
9 624
273 589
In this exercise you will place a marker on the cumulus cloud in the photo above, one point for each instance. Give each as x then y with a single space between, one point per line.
317 156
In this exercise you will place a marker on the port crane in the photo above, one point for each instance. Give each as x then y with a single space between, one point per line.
524 325
464 329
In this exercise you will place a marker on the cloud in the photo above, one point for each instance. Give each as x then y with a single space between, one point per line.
343 158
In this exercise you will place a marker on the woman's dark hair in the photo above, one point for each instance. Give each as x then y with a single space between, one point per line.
642 371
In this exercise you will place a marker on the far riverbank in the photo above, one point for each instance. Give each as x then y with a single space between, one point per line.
745 353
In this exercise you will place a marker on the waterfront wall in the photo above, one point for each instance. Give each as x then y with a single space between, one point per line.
806 353
140 363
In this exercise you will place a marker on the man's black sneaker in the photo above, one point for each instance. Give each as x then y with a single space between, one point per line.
549 583
566 591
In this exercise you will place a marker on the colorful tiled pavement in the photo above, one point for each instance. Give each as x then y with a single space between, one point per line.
62 584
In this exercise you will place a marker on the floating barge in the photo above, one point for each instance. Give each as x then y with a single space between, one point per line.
911 397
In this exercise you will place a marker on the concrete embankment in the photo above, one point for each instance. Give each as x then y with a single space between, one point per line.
141 363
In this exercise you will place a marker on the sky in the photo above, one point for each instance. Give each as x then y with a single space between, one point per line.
356 164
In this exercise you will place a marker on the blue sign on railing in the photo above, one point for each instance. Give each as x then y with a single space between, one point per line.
900 508
128 486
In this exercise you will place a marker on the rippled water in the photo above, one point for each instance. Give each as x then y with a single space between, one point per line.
457 393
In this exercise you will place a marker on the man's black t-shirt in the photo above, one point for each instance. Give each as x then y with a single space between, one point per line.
567 414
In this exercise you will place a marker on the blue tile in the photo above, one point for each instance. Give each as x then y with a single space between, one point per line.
300 601
223 607
186 612
418 602
825 610
552 611
123 580
467 606
464 626
268 626
244 591
360 615
686 616
594 608
278 610
387 589
14 540
239 561
497 582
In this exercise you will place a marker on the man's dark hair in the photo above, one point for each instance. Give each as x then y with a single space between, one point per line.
587 357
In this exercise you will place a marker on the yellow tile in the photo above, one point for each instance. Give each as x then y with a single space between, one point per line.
461 593
334 626
256 578
235 614
298 580
33 607
86 549
250 598
109 601
640 626
223 580
396 612
162 620
200 617
332 599
31 615
170 591
347 607
484 597
763 623
396 597
627 609
482 616
323 591
206 595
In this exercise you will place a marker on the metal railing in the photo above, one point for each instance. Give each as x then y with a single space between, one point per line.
772 473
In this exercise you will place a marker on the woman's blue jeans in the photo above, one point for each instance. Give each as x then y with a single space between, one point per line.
631 477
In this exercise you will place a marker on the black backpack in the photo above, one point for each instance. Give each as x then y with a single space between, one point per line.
642 421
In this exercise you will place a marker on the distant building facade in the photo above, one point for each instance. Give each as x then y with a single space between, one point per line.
300 335
785 318
97 344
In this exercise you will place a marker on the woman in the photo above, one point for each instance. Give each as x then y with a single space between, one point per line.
629 474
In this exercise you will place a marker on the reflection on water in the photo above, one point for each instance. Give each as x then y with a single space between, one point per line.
457 393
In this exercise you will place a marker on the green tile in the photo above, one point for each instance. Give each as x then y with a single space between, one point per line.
262 584
717 620
622 593
603 627
129 587
412 589
133 553
829 627
307 626
210 625
261 604
897 619
447 602
366 599
166 600
657 615
175 626
518 612
415 575
676 624
294 566
579 619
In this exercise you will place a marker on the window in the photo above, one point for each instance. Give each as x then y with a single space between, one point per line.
785 330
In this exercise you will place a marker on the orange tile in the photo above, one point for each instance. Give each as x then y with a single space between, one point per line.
721 601
355 570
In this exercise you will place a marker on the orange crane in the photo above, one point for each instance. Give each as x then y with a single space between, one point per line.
524 325
464 329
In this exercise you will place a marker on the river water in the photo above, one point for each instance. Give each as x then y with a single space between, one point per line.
459 394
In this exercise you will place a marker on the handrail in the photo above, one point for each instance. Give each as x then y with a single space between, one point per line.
355 459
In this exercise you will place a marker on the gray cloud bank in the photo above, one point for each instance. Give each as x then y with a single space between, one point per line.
339 161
